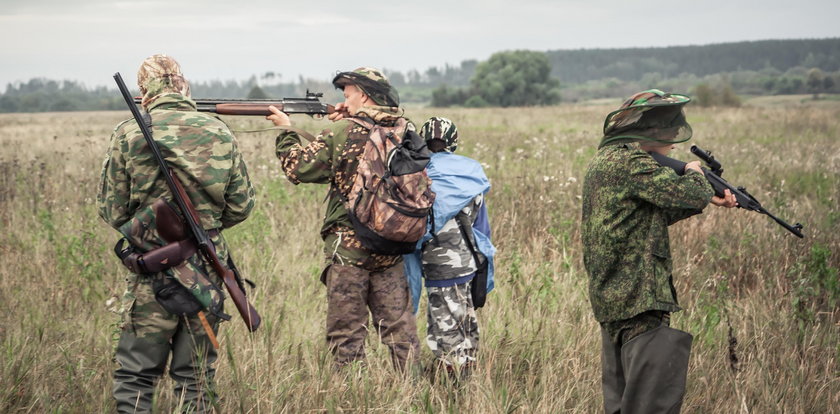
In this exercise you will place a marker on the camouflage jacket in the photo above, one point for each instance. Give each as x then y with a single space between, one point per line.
629 201
447 256
204 155
333 159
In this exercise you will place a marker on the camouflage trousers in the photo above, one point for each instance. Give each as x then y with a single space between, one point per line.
452 324
354 295
644 364
149 336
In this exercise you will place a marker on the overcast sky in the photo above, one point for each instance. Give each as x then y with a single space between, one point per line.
89 40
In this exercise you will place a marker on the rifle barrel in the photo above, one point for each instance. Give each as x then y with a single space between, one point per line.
249 107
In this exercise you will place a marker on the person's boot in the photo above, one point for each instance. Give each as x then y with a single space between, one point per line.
612 374
655 368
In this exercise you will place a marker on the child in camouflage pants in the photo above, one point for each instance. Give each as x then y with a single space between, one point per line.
446 258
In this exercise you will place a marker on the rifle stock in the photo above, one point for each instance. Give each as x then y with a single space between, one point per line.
745 200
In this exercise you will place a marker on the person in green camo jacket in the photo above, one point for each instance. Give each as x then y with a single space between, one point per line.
629 200
203 154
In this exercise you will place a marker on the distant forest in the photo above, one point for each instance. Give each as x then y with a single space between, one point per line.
768 67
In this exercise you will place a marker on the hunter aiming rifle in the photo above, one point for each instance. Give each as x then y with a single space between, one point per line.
713 174
310 105
200 236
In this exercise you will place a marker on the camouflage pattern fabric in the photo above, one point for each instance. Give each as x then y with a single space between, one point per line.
447 255
621 332
351 292
333 158
629 201
341 247
158 75
651 115
375 191
442 129
372 82
452 325
203 154
199 147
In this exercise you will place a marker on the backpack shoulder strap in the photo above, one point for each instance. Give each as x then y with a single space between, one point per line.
365 122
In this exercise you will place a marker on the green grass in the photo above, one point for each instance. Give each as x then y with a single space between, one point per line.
539 343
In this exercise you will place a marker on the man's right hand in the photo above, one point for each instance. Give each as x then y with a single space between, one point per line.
728 200
694 165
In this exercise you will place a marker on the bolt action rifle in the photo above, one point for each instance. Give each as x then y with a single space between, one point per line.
713 174
310 105
202 239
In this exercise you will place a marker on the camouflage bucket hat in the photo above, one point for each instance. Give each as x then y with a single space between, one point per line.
158 75
442 129
372 82
651 115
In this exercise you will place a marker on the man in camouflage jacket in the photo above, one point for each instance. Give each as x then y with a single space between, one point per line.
356 278
629 200
203 154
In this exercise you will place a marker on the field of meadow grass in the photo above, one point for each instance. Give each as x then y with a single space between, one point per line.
763 305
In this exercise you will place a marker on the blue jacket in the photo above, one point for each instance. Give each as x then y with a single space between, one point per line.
456 181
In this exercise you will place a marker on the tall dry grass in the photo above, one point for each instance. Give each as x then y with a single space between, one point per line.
751 291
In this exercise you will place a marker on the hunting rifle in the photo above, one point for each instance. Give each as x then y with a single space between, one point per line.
202 239
713 174
310 105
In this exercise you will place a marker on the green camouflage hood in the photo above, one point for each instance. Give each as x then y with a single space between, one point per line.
380 114
442 129
159 75
372 82
651 115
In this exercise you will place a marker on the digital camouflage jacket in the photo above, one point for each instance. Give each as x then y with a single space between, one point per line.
203 154
629 201
333 159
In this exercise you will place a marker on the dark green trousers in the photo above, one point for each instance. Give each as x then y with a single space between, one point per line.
150 338
644 373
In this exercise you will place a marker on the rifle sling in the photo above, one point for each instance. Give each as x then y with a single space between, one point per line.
477 255
309 137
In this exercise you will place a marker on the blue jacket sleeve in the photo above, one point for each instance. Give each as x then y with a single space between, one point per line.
481 230
414 274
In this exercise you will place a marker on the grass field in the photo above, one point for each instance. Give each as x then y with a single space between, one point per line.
762 304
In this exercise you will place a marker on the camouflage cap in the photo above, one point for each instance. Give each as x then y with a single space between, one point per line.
442 129
651 115
158 75
372 82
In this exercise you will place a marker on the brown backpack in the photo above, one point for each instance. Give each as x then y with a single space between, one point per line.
391 197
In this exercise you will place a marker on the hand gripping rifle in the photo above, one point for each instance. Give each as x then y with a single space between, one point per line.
713 174
202 240
310 105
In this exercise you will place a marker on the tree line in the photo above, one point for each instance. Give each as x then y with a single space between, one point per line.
720 72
